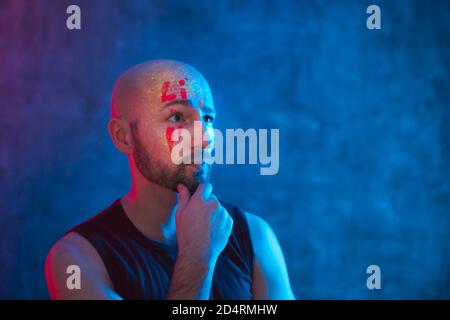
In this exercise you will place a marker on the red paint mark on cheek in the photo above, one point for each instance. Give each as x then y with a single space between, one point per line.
169 132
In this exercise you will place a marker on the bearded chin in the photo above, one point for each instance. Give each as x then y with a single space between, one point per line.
201 175
170 178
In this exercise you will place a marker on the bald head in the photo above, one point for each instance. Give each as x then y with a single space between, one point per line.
155 83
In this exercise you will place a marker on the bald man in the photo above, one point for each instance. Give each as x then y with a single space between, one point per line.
169 237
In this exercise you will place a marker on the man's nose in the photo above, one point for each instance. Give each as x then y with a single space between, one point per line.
208 135
203 135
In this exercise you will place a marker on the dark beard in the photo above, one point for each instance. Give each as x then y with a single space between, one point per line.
154 171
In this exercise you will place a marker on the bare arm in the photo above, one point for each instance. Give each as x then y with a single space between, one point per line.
270 276
95 283
190 280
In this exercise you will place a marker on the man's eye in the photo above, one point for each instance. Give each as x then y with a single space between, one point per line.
207 118
175 117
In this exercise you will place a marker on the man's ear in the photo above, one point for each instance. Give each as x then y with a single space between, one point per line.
119 130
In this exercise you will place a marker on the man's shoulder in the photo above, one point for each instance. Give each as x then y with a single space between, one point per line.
256 223
74 246
69 252
72 249
69 242
258 227
233 209
102 218
261 234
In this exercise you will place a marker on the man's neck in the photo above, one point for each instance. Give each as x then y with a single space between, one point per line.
151 208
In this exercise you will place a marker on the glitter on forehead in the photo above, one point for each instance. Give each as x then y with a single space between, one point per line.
141 87
182 89
192 87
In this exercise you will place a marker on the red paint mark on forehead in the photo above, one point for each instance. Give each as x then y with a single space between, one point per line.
173 90
182 90
164 96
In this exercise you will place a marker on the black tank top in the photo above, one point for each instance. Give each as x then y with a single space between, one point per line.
141 268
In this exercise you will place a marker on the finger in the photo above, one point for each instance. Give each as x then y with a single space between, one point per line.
213 204
183 196
230 223
212 196
227 217
204 190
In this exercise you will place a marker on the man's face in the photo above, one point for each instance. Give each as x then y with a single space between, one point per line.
172 104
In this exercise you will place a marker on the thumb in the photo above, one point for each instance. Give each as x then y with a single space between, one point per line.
183 196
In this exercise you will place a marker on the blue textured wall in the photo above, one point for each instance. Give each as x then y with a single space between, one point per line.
363 118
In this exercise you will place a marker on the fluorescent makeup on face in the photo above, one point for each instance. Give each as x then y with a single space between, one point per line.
183 88
169 132
172 90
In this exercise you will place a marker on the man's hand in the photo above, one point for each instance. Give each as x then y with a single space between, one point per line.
203 227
